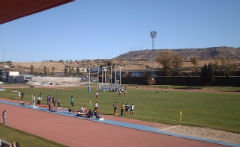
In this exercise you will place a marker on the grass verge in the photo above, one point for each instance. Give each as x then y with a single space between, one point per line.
24 139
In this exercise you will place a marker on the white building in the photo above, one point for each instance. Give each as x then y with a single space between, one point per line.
13 73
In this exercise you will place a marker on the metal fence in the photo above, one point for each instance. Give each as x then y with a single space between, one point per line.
4 143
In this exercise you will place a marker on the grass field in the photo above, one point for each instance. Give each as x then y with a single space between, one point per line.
214 110
24 139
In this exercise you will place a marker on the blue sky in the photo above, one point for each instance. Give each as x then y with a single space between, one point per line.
103 29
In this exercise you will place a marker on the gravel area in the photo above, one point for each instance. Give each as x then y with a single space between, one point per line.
205 133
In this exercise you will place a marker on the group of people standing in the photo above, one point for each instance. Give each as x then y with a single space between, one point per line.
122 91
52 101
123 108
39 99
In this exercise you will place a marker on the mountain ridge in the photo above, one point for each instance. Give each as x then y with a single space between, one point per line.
186 53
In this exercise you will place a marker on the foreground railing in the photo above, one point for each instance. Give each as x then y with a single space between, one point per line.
4 143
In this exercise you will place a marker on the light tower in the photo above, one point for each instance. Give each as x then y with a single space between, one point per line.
153 36
89 84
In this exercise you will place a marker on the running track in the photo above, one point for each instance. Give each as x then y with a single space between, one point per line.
84 133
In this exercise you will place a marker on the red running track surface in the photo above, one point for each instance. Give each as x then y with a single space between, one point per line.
76 132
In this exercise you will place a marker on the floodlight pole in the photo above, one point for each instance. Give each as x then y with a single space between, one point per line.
111 79
98 79
102 75
102 87
89 76
89 86
120 76
115 77
105 71
153 36
111 74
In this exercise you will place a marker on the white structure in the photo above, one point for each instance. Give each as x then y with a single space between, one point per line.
56 79
13 73
83 70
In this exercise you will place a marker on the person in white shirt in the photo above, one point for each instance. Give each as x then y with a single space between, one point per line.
132 109
96 105
33 100
96 96
38 100
19 94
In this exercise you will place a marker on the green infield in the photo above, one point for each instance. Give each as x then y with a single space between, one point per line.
24 139
214 110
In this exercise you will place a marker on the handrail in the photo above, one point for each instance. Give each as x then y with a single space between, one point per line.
5 143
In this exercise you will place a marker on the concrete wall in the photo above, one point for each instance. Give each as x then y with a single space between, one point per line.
16 79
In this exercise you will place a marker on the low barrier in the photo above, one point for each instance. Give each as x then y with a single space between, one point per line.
4 143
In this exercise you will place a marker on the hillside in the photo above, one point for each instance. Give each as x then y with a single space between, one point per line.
134 60
203 53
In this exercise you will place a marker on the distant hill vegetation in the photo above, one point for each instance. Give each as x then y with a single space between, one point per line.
202 53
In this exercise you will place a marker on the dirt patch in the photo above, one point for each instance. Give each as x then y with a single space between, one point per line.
205 133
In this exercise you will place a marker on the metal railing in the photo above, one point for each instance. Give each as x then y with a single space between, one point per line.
4 143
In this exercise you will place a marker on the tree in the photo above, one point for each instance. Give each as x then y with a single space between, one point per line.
65 69
109 63
147 67
226 67
71 71
211 74
78 71
45 71
216 64
9 63
204 74
177 62
195 63
53 70
223 62
36 73
208 74
165 59
230 68
31 69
